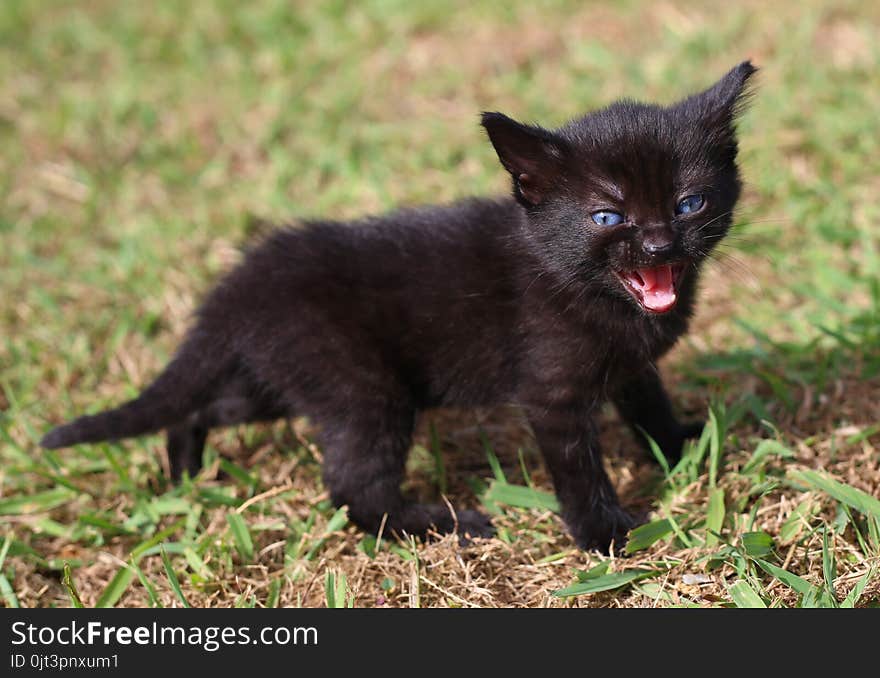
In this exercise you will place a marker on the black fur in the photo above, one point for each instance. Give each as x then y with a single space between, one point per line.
362 325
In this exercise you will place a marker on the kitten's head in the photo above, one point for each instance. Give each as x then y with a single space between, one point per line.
631 197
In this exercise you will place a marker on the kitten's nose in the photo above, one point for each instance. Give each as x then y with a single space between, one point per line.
657 247
658 242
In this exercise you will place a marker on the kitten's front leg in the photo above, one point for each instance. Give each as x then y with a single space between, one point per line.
643 403
570 445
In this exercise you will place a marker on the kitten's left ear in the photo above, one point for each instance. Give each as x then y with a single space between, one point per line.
531 154
720 105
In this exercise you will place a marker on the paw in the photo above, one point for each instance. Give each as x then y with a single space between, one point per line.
185 446
672 444
473 525
673 449
693 429
607 525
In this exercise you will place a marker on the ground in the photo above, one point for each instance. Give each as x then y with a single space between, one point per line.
143 143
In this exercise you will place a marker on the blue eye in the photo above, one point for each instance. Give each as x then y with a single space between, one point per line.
692 203
606 218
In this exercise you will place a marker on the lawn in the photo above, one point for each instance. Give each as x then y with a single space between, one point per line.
144 142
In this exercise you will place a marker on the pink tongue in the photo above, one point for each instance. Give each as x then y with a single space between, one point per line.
658 292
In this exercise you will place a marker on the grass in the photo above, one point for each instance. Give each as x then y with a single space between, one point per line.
142 143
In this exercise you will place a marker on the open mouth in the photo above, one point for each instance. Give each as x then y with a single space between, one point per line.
654 288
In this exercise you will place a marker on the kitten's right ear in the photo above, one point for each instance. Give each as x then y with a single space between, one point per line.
531 154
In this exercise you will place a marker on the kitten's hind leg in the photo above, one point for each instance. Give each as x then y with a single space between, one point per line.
644 405
365 456
185 443
186 440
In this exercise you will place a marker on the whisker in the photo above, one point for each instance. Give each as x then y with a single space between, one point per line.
739 269
714 220
751 224
727 249
726 237
763 220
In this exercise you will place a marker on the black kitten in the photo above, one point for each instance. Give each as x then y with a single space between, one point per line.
555 300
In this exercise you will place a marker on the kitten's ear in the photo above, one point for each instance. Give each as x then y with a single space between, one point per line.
720 105
531 154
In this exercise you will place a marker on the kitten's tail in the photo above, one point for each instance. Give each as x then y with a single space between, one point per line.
185 385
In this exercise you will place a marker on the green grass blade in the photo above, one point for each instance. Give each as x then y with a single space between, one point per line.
829 566
743 595
172 578
853 596
36 502
242 536
793 581
7 542
196 563
606 582
245 602
439 465
494 464
342 593
857 530
8 594
798 520
714 516
116 587
239 474
170 506
520 496
70 587
765 449
645 535
874 533
757 544
715 438
6 590
156 539
147 584
335 590
854 498
522 466
274 593
594 572
699 451
679 532
658 454
337 521
818 597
